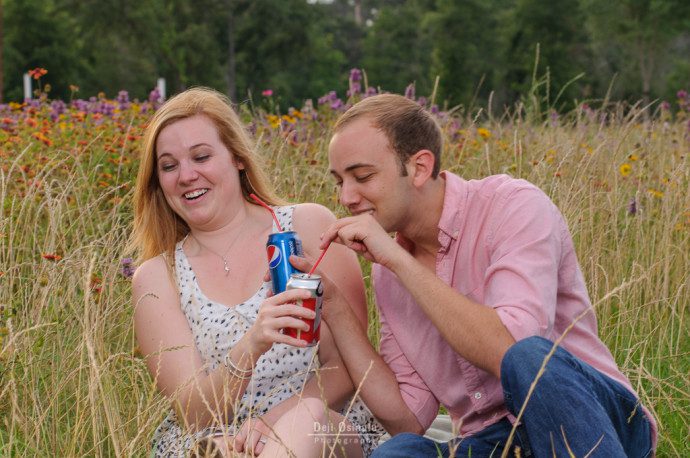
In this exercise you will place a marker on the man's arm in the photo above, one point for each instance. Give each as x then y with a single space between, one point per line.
370 374
473 330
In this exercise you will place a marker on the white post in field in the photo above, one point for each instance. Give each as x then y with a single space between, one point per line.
27 86
161 88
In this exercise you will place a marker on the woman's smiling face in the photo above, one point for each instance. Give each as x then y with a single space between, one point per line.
197 173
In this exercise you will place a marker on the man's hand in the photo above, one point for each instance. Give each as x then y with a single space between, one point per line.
333 301
365 236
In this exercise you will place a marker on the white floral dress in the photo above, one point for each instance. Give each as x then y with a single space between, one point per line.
280 373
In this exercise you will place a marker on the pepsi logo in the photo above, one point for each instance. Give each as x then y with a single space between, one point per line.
274 256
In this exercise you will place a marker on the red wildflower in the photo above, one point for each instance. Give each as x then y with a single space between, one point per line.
51 256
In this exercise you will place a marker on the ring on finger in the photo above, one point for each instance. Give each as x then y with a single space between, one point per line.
263 440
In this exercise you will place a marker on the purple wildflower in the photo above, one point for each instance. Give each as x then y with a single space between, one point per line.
251 128
632 206
123 100
683 100
370 91
80 105
665 106
57 107
553 118
410 92
127 267
355 75
107 109
123 97
328 98
355 88
155 98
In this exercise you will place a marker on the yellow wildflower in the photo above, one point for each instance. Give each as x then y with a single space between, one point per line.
625 169
273 120
656 193
633 157
484 133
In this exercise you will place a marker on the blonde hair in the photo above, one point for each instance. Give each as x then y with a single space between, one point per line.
157 228
407 125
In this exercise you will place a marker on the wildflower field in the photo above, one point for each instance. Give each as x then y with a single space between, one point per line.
71 380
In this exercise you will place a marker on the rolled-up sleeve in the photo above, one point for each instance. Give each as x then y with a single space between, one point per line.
414 391
522 279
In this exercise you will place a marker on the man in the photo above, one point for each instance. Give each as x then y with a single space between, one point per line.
478 283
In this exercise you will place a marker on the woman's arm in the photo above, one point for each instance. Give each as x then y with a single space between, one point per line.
200 398
166 341
332 383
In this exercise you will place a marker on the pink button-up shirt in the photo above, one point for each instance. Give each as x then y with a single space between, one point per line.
503 243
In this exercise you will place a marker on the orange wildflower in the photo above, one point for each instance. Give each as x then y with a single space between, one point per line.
37 73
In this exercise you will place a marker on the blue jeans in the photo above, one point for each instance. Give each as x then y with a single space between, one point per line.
574 409
488 442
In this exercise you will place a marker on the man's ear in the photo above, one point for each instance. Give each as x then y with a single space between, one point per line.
421 166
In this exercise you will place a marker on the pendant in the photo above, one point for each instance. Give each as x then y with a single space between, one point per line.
225 266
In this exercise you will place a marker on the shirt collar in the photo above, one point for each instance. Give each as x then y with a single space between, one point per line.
454 200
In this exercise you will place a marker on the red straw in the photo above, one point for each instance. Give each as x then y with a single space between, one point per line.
313 268
263 204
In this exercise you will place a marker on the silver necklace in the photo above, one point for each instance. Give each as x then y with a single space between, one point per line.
226 268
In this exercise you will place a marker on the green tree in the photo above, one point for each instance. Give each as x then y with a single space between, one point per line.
465 54
640 41
37 33
132 42
556 30
282 45
397 48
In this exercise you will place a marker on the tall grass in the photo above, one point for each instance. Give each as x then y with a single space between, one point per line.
71 381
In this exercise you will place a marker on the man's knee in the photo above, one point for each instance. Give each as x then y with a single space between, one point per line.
523 360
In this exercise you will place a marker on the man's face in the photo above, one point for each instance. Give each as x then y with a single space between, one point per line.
368 174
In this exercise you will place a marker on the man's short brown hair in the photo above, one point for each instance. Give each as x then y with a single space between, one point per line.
407 125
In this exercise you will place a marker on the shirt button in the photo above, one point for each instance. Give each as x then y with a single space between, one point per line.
477 395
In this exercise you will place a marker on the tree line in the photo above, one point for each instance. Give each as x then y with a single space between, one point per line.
462 52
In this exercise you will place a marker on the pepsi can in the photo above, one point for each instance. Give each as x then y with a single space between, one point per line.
311 283
279 247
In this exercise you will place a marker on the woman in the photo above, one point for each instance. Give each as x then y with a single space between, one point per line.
210 333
